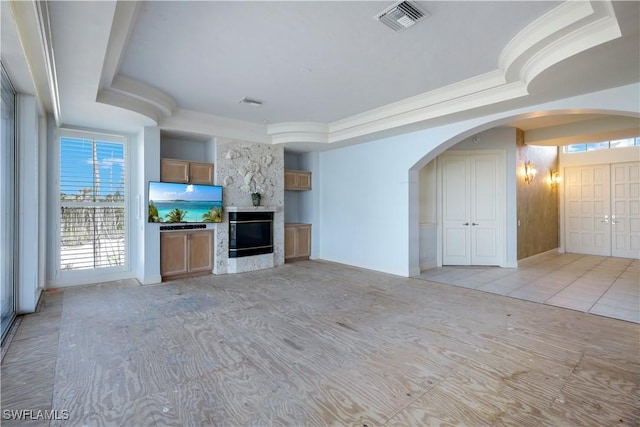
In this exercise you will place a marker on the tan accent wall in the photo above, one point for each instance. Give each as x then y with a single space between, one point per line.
537 202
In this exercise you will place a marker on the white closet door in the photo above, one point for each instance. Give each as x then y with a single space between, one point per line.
625 210
472 209
456 210
587 208
485 227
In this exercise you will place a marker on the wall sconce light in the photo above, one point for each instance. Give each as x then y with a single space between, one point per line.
529 172
554 179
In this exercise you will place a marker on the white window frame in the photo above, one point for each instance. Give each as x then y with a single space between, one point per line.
93 275
608 147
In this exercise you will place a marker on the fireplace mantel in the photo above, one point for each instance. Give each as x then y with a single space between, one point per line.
253 208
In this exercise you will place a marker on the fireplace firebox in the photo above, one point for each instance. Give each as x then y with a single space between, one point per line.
250 233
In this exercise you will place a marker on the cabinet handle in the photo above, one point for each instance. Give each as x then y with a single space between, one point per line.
474 223
466 223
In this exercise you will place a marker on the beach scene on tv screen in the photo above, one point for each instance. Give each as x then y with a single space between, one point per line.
171 202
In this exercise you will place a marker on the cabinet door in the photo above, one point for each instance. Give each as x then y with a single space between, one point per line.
201 173
172 170
289 241
173 253
199 253
290 180
303 241
303 180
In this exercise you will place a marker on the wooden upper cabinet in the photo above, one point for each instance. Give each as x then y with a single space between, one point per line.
201 173
290 180
297 180
304 180
172 170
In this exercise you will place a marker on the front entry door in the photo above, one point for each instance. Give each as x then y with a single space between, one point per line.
602 205
473 199
587 204
625 213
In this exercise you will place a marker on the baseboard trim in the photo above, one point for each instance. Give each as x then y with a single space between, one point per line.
533 258
428 265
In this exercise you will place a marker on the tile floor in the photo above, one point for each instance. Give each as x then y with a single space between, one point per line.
594 284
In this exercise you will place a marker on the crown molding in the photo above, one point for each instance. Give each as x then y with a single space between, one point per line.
124 18
553 22
568 29
34 30
601 27
137 96
209 124
282 133
122 91
129 102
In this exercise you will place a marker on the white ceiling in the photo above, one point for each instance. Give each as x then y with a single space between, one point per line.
313 61
326 71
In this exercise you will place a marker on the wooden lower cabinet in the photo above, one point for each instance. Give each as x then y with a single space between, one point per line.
185 253
297 241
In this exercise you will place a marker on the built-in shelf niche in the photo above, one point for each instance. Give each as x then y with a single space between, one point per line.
192 147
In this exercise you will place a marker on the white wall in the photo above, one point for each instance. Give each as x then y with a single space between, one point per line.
309 206
195 151
369 195
364 204
148 243
292 199
29 135
428 221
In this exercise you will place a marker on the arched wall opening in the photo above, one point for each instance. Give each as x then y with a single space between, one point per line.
511 171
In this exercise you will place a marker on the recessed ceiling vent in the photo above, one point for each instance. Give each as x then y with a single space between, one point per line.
250 101
401 15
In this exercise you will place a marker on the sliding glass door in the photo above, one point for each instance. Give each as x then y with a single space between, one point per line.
7 204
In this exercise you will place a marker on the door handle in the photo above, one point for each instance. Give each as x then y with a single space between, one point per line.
466 223
474 223
613 219
605 220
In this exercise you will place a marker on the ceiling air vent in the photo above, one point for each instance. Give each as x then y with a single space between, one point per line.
250 101
401 15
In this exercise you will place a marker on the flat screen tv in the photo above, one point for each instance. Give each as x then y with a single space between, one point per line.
171 202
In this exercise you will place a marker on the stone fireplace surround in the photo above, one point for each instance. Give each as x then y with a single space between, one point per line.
243 168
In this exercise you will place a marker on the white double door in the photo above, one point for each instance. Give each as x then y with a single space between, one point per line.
602 209
473 208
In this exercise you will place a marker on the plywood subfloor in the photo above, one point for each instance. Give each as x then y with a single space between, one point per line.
316 343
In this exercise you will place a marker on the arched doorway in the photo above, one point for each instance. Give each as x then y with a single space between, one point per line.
515 165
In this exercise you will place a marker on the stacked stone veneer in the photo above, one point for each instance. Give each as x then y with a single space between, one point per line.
243 168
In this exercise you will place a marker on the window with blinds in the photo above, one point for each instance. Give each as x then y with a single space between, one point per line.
92 204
